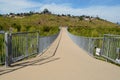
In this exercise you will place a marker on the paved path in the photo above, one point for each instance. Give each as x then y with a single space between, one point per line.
68 63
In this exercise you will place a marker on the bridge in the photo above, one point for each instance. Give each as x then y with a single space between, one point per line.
63 60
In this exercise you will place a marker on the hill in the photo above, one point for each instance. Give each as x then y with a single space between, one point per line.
49 24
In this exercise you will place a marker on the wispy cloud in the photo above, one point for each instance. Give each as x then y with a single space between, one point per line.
7 6
110 13
58 8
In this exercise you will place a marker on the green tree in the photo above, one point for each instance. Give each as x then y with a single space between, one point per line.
1 28
46 11
16 26
81 18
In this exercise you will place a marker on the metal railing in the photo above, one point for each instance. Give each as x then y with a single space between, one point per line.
24 45
45 42
89 44
111 48
17 46
20 45
2 48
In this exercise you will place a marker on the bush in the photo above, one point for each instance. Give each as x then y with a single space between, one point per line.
94 32
16 26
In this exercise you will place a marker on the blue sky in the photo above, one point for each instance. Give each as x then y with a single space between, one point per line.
106 9
83 3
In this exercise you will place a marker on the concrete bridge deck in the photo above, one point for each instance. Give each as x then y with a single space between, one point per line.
63 61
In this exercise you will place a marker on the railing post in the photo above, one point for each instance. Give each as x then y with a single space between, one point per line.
103 45
38 42
8 46
27 46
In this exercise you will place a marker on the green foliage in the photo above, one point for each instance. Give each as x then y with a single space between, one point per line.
1 28
45 30
1 15
1 41
16 26
94 32
2 52
81 18
48 24
46 11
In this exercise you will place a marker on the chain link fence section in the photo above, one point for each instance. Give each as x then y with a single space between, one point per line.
17 46
23 45
2 48
111 48
45 42
89 44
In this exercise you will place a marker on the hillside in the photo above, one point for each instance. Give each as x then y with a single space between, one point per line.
49 23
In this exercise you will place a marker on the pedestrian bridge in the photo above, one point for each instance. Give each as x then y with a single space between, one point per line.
63 60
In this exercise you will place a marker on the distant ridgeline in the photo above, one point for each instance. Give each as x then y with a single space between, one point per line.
48 23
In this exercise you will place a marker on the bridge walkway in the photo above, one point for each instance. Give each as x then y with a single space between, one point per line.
64 60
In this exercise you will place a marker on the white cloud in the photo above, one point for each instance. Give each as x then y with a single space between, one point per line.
110 13
57 8
7 6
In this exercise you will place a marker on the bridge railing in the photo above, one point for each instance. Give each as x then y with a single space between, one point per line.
89 44
20 45
111 47
45 42
23 45
108 46
2 48
17 46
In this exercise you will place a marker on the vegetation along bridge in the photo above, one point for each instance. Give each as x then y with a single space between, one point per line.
61 60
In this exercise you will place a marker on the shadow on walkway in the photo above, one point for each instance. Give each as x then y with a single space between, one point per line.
28 63
44 58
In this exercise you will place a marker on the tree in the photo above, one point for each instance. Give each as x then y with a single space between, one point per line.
1 15
1 27
58 15
81 18
11 14
117 23
16 26
31 12
68 15
63 15
46 11
97 17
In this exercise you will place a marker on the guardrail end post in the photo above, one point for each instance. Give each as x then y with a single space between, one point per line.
8 48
